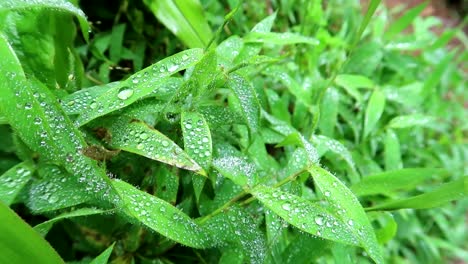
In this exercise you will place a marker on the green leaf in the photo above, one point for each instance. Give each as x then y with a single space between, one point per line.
19 243
116 42
56 189
238 229
324 144
56 5
349 210
374 110
304 249
161 216
405 121
369 13
247 98
445 193
351 81
13 181
33 112
392 153
404 21
285 38
391 181
309 217
137 137
185 19
329 112
236 168
103 258
44 227
138 85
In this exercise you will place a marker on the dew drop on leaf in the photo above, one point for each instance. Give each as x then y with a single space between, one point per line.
125 94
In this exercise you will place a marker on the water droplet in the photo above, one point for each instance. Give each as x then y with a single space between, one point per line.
27 106
165 143
93 105
140 146
185 57
350 222
319 220
286 206
125 94
172 68
143 136
135 81
205 140
37 121
327 194
188 126
162 209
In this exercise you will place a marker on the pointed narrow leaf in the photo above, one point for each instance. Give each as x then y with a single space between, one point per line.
19 243
349 210
237 169
324 143
139 138
103 258
185 19
391 181
405 121
13 180
445 193
245 93
197 138
138 85
44 227
161 216
405 20
309 217
374 110
392 153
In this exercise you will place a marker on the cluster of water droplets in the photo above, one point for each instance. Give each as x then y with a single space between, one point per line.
12 181
197 139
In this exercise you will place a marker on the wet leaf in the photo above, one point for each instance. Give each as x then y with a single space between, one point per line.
13 181
374 110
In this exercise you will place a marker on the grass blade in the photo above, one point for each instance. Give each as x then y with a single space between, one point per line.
185 19
286 38
161 216
374 110
406 121
405 20
445 193
397 180
13 181
349 210
392 153
19 243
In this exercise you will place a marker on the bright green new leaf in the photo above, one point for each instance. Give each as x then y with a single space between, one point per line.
103 258
405 121
374 110
349 210
138 85
396 180
309 217
13 181
161 216
445 193
185 19
351 81
139 138
286 38
44 227
404 21
19 243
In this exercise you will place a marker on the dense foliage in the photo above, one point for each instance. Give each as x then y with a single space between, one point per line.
202 131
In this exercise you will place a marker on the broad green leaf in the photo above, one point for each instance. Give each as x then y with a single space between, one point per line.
349 210
139 138
392 153
55 190
161 216
13 181
285 38
19 243
236 168
388 225
247 98
309 217
238 229
404 21
33 111
103 258
138 85
44 227
185 19
56 5
405 121
445 193
391 181
374 110
304 249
